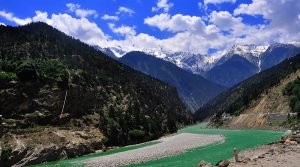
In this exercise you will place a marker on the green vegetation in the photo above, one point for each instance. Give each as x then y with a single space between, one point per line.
237 98
240 139
292 90
5 154
47 64
77 161
8 76
136 134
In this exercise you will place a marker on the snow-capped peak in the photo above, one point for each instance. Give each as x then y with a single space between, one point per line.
253 50
118 52
250 52
159 52
295 43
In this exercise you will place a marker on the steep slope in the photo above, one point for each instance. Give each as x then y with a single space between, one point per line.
256 96
276 53
194 63
48 79
194 90
106 51
231 71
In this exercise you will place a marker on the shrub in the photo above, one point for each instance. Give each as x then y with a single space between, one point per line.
5 154
10 76
136 134
26 71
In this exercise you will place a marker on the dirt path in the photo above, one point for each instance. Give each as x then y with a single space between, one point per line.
169 146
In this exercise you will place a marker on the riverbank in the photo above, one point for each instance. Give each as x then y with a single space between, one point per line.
210 152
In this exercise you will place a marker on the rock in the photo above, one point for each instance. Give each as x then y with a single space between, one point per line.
223 163
261 156
204 164
245 160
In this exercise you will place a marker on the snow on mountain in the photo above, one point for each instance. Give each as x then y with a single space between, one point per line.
114 52
118 51
295 43
198 63
159 53
250 52
195 63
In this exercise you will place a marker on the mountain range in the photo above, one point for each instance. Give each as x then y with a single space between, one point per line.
239 63
257 102
194 90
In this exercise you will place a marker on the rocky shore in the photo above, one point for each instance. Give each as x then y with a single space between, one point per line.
285 152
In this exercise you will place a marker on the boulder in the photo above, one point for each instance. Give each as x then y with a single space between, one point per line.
204 164
223 163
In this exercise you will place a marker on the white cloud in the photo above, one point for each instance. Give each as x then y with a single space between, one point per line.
164 5
224 20
283 17
10 16
202 6
72 7
218 1
124 10
122 30
218 29
82 13
108 17
175 23
2 24
80 28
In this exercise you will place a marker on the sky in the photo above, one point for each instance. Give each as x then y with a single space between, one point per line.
198 26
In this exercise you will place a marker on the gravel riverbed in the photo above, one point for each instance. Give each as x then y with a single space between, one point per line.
168 146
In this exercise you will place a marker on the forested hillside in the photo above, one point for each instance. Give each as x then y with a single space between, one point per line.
50 79
237 99
194 90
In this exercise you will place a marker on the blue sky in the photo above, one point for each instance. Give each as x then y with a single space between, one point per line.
200 26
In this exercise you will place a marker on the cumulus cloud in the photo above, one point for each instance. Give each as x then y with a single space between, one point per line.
224 20
111 18
82 13
218 1
175 23
162 5
283 16
125 10
219 29
80 28
122 30
2 24
10 16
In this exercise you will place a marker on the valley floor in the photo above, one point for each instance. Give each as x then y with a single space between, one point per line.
167 146
186 148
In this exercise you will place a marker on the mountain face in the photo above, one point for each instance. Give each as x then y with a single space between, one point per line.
48 79
194 63
232 71
118 52
243 61
106 51
193 89
276 53
239 63
255 101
